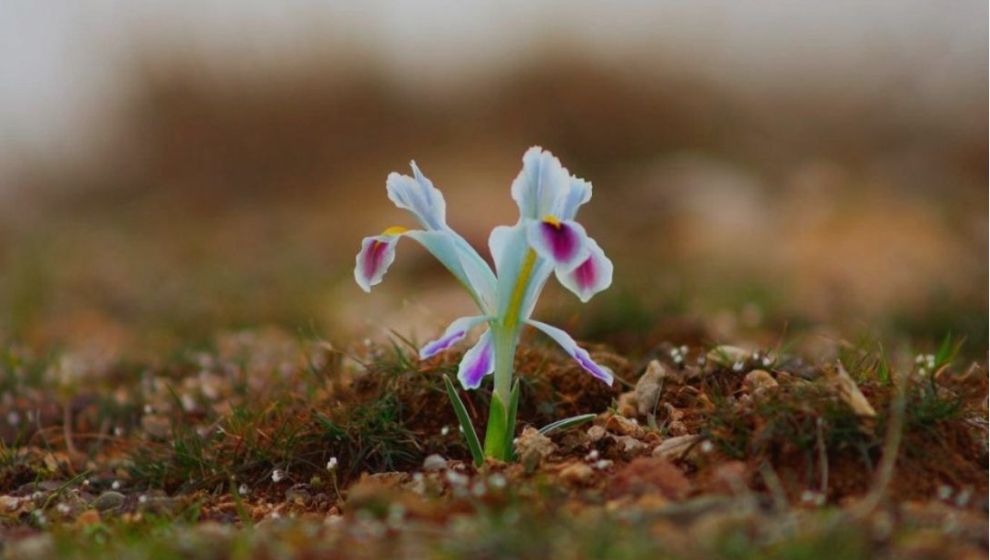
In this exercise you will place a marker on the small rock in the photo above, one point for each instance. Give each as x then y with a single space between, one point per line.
649 387
532 446
847 389
629 444
676 447
109 500
626 405
596 433
434 463
758 382
623 426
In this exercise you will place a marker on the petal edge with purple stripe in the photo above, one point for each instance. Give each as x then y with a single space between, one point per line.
579 354
478 362
454 334
372 261
593 275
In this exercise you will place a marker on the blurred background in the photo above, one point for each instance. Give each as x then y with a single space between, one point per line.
171 170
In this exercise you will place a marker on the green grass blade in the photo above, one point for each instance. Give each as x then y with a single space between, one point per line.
474 445
567 423
511 423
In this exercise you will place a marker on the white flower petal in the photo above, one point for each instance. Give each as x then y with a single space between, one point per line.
478 362
454 334
593 275
565 244
418 195
579 354
540 184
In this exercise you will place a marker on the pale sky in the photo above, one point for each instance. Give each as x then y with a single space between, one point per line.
64 63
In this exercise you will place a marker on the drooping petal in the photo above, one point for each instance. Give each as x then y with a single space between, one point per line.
540 184
593 275
378 252
418 195
376 255
454 334
565 244
462 261
580 354
578 193
478 362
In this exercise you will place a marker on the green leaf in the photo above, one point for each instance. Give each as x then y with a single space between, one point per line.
511 422
474 445
498 440
567 423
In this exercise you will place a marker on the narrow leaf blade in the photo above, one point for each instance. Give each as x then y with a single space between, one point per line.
511 423
474 445
567 423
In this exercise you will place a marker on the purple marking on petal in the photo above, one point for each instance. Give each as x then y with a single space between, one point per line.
481 366
373 257
561 239
439 345
583 358
586 274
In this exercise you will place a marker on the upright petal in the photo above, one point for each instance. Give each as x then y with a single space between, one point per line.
578 193
478 362
376 255
454 334
418 195
593 275
565 244
580 354
510 249
540 184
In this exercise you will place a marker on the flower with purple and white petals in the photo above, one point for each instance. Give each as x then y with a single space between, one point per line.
545 241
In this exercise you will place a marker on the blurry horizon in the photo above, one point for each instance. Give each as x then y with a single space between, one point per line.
70 71
173 170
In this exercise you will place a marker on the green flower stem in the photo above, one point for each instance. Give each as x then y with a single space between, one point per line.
498 435
505 336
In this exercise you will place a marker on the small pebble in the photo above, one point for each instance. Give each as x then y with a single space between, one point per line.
603 464
434 462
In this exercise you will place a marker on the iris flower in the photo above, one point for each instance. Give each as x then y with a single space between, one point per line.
546 240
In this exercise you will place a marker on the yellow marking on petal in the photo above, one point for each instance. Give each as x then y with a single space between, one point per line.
395 230
515 301
552 220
